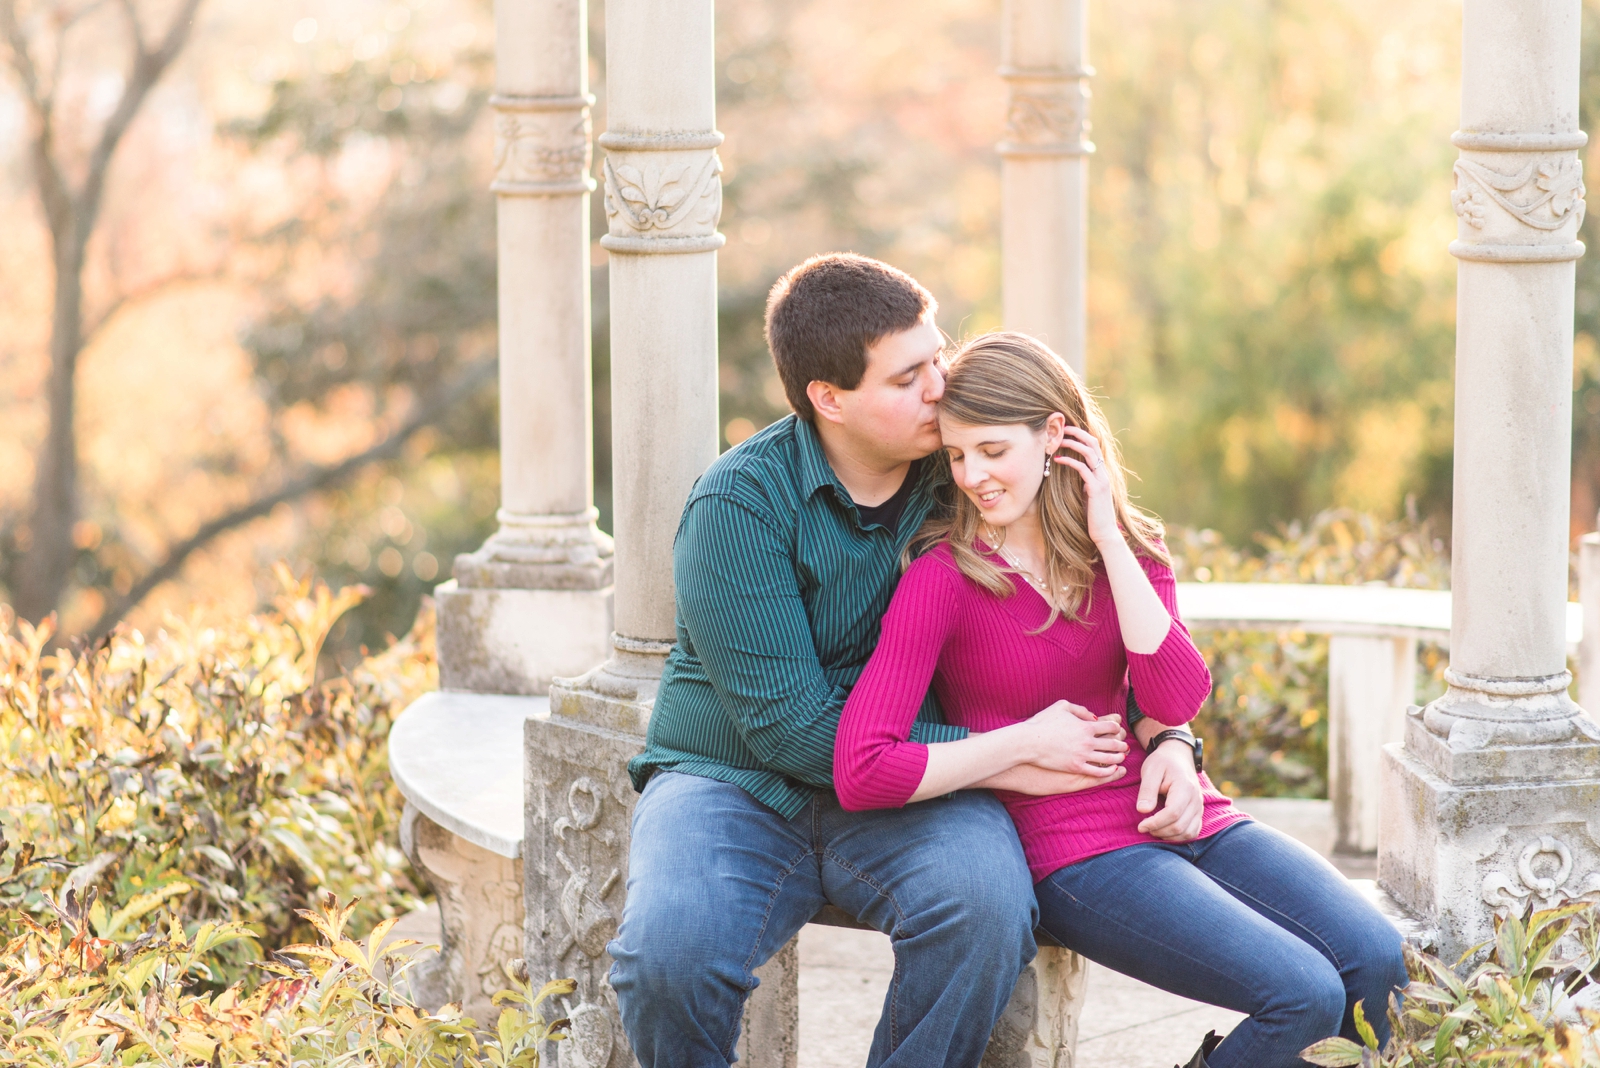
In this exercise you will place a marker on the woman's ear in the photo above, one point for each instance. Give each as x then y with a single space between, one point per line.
1055 430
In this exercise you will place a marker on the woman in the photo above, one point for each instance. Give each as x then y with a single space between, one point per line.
1044 582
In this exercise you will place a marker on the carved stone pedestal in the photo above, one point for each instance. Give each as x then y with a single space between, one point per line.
1481 824
1039 1028
480 912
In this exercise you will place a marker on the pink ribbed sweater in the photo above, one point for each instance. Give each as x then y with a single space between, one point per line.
989 670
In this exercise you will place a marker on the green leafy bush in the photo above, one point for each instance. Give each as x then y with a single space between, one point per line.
70 996
1266 725
206 774
1531 1003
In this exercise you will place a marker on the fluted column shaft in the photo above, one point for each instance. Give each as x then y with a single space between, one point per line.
1044 173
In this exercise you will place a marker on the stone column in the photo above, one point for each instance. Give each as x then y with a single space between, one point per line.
663 199
1044 232
1044 172
1492 799
1372 680
535 601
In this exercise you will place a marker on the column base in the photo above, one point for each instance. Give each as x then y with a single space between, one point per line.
518 641
1470 832
619 694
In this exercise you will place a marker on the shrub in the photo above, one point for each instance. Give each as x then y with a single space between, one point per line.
1266 725
1531 1003
69 996
206 774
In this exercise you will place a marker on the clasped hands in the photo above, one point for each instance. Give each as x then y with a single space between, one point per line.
1068 748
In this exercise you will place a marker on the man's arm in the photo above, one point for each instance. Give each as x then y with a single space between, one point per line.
739 601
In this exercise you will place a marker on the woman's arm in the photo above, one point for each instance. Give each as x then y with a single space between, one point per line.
1166 670
875 764
1036 743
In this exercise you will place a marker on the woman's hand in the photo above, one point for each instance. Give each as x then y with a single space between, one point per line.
1068 738
1091 467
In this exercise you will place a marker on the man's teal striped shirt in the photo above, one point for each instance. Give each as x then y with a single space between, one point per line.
780 592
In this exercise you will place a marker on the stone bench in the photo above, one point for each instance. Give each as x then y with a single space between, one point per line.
458 760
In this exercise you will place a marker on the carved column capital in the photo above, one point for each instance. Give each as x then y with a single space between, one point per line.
1519 197
541 145
663 192
1047 111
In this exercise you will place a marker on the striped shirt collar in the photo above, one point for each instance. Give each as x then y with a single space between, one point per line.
816 473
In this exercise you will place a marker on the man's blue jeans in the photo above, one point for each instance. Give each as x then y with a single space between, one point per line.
718 883
1248 919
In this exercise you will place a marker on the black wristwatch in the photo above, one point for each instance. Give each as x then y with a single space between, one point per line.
1188 739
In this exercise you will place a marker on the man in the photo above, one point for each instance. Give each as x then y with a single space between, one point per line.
785 561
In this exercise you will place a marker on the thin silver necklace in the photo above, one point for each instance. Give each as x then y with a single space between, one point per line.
1016 565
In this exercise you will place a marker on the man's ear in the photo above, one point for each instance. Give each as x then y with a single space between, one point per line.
824 398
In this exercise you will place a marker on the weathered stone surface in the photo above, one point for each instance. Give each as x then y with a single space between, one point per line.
770 1037
1461 852
480 911
1039 1028
575 856
515 641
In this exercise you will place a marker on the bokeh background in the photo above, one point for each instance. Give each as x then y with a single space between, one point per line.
295 260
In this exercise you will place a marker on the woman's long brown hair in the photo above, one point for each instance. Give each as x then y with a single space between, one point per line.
1007 379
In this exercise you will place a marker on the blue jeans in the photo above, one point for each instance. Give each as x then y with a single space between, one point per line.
1248 919
718 883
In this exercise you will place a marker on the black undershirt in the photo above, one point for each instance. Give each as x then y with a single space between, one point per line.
888 513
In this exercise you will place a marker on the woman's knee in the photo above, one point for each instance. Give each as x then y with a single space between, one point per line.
1379 969
1310 1005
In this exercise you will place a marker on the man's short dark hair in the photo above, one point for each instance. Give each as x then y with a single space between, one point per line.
822 315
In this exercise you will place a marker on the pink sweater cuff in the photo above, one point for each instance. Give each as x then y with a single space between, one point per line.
1172 682
880 776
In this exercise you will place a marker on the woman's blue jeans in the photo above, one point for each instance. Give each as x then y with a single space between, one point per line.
718 883
1248 919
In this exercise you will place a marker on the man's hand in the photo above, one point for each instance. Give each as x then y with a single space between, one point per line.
1169 773
1067 737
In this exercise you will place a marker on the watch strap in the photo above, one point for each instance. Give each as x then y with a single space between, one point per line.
1188 739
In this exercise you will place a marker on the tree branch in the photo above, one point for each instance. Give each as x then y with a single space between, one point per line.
310 481
147 70
54 193
92 327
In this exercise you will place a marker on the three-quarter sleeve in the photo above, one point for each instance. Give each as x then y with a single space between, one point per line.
875 762
1172 682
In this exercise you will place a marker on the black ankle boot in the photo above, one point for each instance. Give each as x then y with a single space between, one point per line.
1213 1040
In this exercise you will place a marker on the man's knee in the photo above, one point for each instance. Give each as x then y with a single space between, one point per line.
670 944
993 917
